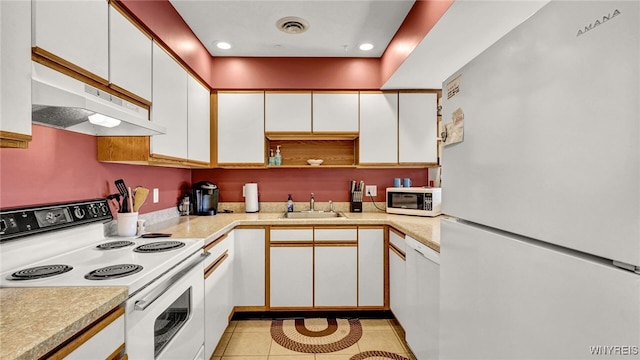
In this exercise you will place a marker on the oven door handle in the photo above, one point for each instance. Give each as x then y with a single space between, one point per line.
141 305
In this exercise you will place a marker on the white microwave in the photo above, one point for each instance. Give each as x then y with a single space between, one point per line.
420 201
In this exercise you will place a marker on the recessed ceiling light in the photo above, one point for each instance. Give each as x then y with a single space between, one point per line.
366 47
223 45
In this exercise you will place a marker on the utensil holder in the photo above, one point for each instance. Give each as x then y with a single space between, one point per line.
127 224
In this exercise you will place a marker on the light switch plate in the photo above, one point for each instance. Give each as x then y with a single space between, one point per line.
371 190
156 195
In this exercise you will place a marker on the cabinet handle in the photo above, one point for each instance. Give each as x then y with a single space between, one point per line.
208 271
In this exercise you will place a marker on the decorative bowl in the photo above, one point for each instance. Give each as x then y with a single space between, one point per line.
315 162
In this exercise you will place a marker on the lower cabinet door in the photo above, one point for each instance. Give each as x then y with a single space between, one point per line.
398 287
336 276
371 254
217 305
291 276
249 267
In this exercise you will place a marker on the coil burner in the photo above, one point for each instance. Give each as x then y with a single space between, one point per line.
159 246
113 272
39 272
115 245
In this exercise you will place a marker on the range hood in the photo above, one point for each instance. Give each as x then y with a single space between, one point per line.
63 102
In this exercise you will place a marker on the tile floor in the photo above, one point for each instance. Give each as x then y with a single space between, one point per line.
251 340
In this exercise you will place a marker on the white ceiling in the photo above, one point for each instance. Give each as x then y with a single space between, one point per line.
466 29
250 26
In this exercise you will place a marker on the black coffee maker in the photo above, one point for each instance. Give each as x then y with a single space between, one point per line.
205 198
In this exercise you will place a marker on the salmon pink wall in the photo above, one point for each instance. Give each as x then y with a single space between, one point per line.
422 17
326 183
243 73
61 166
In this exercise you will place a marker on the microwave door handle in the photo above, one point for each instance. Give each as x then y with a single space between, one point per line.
143 304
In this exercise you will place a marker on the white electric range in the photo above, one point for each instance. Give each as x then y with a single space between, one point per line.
63 245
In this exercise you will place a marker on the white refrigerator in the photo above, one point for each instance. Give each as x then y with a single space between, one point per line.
542 257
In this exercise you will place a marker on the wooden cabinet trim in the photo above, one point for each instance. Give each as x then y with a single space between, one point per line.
398 252
336 226
291 227
292 243
116 354
216 263
397 232
85 334
123 91
55 62
10 139
336 243
215 242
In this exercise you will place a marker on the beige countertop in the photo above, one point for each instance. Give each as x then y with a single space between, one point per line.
33 321
424 229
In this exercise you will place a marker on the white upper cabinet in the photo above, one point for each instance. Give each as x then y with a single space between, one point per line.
241 128
287 111
76 31
378 128
15 72
169 106
129 56
417 128
335 112
199 121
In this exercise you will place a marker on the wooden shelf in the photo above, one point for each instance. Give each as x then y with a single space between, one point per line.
311 136
295 152
311 167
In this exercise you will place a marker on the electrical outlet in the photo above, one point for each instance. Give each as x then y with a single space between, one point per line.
371 190
156 195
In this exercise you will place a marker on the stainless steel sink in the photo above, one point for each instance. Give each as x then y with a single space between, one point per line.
311 215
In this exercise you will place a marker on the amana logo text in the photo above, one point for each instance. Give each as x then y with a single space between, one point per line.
598 22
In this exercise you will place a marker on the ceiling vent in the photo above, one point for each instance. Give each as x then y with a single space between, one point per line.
292 25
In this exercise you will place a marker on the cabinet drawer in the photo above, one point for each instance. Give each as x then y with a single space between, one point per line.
396 238
336 234
291 234
218 247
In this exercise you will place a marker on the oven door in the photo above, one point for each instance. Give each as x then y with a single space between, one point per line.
166 320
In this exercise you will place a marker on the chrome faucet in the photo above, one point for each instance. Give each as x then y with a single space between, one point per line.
312 203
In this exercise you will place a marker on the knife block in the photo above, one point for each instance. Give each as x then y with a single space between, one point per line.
356 201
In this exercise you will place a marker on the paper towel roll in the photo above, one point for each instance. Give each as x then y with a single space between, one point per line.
250 193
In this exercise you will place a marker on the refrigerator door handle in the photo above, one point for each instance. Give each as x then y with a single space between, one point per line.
625 266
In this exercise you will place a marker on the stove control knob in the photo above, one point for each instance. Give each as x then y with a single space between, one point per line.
79 213
93 211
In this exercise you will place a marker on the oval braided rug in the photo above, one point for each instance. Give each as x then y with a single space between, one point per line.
316 335
377 355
